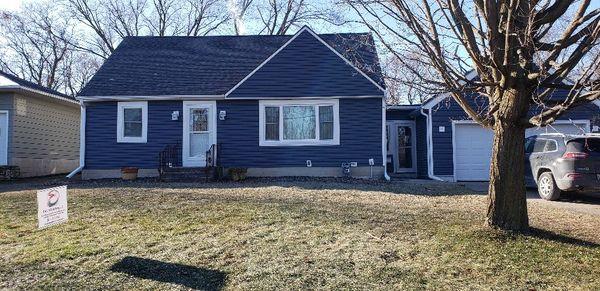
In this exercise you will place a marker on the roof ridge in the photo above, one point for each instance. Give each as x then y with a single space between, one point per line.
240 36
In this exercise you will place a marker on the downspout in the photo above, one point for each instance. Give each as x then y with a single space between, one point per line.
429 146
384 139
81 141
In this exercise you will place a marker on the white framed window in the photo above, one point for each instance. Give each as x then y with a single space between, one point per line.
299 122
132 122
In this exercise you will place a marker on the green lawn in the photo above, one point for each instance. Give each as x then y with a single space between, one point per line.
289 235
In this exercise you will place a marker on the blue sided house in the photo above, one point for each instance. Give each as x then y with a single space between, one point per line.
295 105
437 140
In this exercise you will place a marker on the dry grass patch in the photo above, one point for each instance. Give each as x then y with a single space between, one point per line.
289 234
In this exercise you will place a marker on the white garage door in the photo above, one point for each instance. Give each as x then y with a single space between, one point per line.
473 148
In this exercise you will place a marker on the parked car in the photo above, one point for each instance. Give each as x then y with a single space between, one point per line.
558 163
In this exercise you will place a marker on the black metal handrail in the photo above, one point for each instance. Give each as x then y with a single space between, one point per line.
211 156
169 157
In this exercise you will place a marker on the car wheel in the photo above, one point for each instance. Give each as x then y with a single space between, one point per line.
547 187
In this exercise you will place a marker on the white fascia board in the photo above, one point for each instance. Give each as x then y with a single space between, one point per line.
436 100
305 97
305 28
34 91
400 107
440 97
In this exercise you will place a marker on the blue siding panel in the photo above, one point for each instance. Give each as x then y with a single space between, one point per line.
102 149
421 124
360 138
399 114
306 68
449 110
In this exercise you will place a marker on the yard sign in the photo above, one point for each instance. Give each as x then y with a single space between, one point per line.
52 206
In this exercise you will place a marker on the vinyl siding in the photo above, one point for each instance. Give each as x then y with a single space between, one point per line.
43 134
421 123
102 149
448 110
360 137
306 68
399 114
43 129
7 103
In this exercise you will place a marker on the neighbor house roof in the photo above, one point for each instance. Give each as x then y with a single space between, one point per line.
12 82
207 65
557 95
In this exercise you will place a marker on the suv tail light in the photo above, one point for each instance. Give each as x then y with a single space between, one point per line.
575 155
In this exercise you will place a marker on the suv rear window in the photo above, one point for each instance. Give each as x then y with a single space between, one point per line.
587 145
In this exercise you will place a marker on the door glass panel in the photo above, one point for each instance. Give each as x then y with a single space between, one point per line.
199 144
199 133
199 120
405 147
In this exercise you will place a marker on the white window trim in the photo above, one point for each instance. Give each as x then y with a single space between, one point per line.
312 142
4 144
120 134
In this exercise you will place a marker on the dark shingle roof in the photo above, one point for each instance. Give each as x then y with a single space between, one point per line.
207 65
34 86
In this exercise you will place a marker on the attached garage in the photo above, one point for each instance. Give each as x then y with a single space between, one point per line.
460 150
472 146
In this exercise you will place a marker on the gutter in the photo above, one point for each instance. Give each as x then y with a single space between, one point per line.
81 141
384 139
429 146
34 91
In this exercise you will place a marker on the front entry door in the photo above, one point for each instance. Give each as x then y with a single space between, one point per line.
402 152
199 131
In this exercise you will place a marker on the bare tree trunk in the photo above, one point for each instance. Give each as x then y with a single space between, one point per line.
507 207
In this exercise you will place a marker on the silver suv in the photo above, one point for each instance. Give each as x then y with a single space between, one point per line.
559 163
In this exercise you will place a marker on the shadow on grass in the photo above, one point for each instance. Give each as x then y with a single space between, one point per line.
559 238
184 275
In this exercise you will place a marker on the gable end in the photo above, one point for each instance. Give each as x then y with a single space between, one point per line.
296 52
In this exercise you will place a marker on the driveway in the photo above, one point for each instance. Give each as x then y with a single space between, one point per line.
583 203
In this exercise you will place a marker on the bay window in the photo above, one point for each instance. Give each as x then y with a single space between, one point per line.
297 123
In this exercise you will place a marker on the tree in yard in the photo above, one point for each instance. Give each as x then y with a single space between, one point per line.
403 85
34 45
520 57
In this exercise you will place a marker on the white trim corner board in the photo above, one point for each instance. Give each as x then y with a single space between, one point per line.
4 145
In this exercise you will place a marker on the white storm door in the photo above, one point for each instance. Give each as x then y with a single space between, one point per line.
402 151
199 131
3 138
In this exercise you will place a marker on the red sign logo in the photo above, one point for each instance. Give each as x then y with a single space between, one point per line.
53 197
